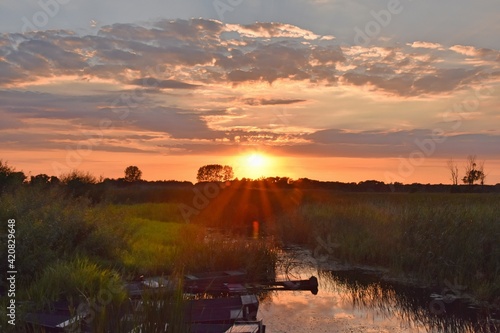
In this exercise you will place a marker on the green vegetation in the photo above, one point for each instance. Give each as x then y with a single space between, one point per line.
52 227
76 280
163 244
77 238
162 248
68 249
432 237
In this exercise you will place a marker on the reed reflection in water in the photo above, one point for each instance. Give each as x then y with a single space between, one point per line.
411 305
360 301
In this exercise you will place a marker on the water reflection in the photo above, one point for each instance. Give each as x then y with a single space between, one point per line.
357 301
411 305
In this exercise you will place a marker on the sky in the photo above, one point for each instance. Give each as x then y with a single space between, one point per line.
324 89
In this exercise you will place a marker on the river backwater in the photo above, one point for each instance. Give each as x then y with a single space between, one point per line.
358 300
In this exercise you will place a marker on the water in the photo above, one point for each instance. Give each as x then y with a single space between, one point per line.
359 301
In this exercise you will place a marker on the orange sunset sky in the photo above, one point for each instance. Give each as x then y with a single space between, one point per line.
329 90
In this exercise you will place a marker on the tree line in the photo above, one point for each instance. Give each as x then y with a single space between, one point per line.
79 182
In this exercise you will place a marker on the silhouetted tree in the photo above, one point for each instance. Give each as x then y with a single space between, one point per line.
482 175
371 186
453 168
54 180
132 174
40 180
9 177
473 173
77 176
215 173
228 173
78 181
279 181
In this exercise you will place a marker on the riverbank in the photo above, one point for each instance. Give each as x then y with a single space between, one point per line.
359 299
436 239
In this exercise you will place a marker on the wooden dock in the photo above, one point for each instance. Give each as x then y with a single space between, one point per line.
232 307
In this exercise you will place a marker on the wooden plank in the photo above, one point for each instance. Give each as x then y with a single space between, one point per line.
237 327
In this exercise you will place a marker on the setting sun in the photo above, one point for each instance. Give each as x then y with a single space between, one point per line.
256 161
254 165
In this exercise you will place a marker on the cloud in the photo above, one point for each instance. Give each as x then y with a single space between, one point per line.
187 54
426 45
150 82
176 123
9 121
396 72
190 85
271 30
262 101
47 141
343 143
9 75
63 60
445 80
335 142
471 51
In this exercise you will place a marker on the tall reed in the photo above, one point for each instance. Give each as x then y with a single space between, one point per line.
438 238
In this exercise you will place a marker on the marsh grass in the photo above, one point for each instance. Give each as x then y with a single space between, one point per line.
155 246
162 248
52 227
164 309
162 212
79 280
99 295
80 286
438 238
217 252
